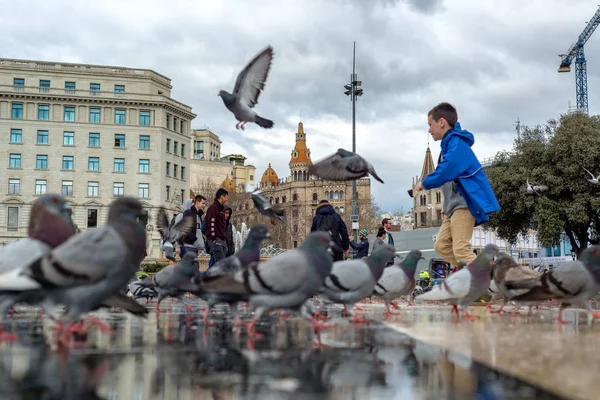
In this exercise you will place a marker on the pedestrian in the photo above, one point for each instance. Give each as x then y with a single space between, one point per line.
386 223
216 225
194 241
327 220
468 195
379 239
362 247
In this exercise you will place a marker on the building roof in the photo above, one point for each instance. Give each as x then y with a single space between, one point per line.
428 166
301 153
270 176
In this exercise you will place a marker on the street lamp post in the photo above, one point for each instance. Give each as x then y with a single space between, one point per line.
354 90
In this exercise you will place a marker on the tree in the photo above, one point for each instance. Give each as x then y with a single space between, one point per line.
368 216
206 187
554 155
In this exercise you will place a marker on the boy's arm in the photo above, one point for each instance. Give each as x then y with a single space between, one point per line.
451 167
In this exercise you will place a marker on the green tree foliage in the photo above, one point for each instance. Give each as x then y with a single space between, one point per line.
554 155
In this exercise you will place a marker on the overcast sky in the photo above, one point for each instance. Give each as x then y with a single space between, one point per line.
494 60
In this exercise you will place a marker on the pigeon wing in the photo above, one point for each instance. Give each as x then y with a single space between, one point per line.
348 276
182 228
456 286
393 280
162 222
251 80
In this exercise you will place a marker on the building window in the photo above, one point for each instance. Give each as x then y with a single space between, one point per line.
16 136
92 217
182 195
44 86
67 188
144 166
42 137
175 144
182 176
41 161
69 87
175 168
120 117
283 198
315 197
17 111
15 161
119 90
168 145
119 140
423 219
439 215
93 189
182 127
12 220
94 89
93 163
43 112
68 138
175 124
168 169
295 243
144 142
168 121
67 163
295 197
69 114
40 186
168 191
18 84
118 189
94 140
251 178
145 118
198 150
182 149
144 190
95 115
14 186
438 198
119 165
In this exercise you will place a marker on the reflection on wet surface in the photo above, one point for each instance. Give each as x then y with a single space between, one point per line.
179 358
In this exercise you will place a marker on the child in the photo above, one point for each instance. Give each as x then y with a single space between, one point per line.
468 195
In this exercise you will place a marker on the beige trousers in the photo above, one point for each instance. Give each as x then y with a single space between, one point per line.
453 240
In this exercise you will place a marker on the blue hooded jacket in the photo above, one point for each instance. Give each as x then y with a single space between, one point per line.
459 164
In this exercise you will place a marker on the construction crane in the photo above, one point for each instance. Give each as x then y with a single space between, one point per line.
576 52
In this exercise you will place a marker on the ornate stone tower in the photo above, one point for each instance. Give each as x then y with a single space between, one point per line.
427 204
300 162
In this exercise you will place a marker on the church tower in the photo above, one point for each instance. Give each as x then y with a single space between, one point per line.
427 204
300 162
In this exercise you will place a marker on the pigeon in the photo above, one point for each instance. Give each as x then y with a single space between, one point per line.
351 281
593 179
249 253
535 189
287 280
572 284
343 166
505 268
264 206
50 220
248 86
466 285
170 233
398 280
89 267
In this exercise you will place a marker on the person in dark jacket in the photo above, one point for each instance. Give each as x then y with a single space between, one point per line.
216 225
194 238
362 247
327 220
230 243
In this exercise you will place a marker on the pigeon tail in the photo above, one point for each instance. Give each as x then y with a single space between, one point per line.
263 122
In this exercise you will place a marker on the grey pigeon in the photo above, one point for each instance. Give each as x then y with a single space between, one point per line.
343 166
593 179
248 254
535 189
92 266
505 268
287 280
398 280
351 281
248 86
170 233
466 285
572 283
264 206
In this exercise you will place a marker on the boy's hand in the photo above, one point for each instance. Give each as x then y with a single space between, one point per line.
419 187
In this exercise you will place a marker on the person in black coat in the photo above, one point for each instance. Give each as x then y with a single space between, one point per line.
327 220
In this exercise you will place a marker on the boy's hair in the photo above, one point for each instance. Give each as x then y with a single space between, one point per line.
446 111
385 221
199 197
221 192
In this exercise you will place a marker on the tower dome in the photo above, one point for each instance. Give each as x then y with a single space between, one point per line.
228 185
269 176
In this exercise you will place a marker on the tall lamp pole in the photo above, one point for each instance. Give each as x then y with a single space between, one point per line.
354 90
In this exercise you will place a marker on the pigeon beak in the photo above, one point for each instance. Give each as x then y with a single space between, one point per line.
421 258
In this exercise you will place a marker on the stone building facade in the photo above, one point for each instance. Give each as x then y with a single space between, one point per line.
427 204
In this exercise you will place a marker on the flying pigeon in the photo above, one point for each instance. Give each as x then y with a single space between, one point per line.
466 285
248 86
170 233
287 280
264 206
343 166
398 280
593 179
535 189
505 268
571 283
351 281
248 254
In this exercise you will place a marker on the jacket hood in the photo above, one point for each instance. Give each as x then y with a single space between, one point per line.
187 204
461 133
325 209
228 207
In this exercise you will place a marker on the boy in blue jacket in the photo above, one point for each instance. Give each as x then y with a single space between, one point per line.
468 195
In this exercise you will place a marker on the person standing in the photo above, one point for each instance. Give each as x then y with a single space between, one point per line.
194 241
216 225
362 247
386 223
327 220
